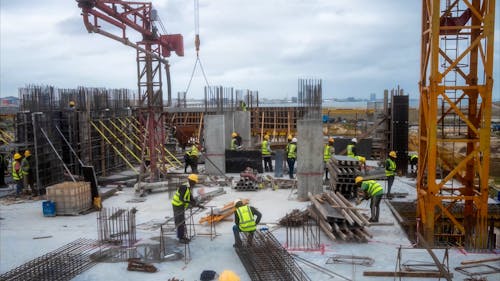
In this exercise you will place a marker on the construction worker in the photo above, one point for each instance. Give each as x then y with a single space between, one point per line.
243 106
191 157
3 168
390 171
291 156
28 173
266 154
17 173
228 275
351 152
183 198
413 158
244 221
371 189
328 152
235 141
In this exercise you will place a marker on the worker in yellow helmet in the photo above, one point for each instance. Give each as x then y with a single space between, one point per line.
27 170
328 152
291 156
228 275
371 189
266 154
191 156
17 173
183 199
72 104
246 219
235 141
390 171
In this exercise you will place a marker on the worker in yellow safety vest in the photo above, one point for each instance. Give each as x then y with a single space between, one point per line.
191 157
17 173
390 171
244 221
351 152
235 141
266 154
28 178
183 199
328 152
291 156
413 162
371 189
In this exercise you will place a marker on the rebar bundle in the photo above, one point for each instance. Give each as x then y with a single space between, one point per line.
310 97
265 259
60 265
117 227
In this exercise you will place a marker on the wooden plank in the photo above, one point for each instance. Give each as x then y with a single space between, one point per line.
432 274
479 261
326 227
318 207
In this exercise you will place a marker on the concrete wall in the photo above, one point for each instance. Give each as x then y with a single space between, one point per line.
215 144
309 157
242 127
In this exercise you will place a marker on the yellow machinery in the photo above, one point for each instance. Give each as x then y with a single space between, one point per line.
455 112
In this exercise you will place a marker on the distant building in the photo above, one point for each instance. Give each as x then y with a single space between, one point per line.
373 97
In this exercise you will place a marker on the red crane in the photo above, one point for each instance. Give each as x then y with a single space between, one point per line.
133 16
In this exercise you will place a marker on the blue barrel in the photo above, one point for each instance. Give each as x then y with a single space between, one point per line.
49 208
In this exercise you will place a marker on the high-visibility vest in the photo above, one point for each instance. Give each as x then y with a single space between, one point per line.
390 167
233 144
326 153
176 201
245 217
194 152
350 151
25 166
372 187
264 149
292 151
17 174
413 157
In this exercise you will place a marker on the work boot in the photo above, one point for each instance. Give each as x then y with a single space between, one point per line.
184 240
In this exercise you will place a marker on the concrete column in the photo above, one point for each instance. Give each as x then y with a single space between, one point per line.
215 144
242 126
309 157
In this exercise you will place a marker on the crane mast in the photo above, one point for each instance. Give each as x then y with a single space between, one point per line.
133 16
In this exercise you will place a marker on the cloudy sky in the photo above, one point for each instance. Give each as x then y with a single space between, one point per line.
356 47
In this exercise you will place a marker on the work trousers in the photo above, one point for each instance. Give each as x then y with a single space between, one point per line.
237 238
291 164
180 221
390 181
375 207
268 164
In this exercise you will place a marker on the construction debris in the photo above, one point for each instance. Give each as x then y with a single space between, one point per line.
338 218
135 264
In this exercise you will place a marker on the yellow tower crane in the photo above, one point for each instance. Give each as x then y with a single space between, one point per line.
456 79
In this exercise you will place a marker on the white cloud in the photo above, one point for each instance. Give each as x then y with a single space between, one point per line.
356 47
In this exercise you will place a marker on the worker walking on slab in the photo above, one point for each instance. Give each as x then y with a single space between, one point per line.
183 199
17 173
235 141
351 152
413 158
291 156
371 189
390 171
328 152
244 221
266 154
191 157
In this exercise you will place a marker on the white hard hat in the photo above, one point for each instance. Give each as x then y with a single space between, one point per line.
354 140
294 140
236 201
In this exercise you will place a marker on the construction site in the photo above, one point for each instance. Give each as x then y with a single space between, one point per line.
105 169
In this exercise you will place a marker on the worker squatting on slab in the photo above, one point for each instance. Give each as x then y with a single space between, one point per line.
244 221
183 199
371 189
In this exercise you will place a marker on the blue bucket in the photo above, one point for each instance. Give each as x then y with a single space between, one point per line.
49 208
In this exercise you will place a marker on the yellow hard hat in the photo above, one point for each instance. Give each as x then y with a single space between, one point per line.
358 179
290 137
228 275
193 177
392 154
234 134
266 137
330 139
71 103
27 153
17 156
